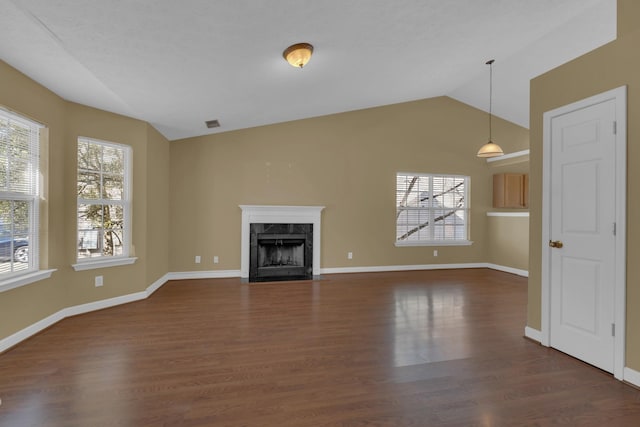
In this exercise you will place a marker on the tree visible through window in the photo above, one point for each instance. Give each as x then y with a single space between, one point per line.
19 190
103 199
431 208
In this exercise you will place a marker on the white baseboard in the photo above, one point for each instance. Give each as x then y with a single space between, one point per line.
102 304
516 271
48 321
631 376
30 330
157 285
376 269
533 334
212 274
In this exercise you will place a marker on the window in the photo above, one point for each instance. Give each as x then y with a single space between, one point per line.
19 191
103 200
431 209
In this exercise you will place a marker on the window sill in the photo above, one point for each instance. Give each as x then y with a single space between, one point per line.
24 279
92 265
435 243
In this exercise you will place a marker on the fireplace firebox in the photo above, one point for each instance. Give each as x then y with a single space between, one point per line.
280 252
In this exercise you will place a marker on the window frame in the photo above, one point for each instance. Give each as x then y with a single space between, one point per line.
430 210
32 274
125 202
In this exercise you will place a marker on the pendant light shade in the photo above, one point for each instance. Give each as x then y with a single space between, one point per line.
490 149
298 54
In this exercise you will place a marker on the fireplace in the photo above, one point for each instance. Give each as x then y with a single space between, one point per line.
279 249
281 252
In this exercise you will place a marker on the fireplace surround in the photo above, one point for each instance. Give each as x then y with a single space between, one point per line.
271 214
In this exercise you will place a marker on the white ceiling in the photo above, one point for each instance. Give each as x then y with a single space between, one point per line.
176 64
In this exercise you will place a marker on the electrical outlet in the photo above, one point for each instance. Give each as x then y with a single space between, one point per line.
98 281
216 259
435 252
349 255
198 259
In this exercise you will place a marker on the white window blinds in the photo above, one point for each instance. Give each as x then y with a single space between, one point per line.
431 208
19 191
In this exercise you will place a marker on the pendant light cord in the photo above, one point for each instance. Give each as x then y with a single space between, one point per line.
490 64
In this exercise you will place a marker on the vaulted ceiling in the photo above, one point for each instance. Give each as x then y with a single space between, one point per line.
176 64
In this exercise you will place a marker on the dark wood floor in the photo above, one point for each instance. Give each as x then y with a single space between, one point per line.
435 348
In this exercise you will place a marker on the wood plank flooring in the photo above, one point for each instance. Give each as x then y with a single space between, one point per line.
427 348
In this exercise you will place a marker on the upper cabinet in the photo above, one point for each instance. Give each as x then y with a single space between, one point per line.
511 190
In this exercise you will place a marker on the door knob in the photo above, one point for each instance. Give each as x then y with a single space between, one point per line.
555 244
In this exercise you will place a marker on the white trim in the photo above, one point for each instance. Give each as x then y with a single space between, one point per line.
30 330
621 233
376 269
157 285
532 334
509 214
509 156
41 325
632 376
104 303
24 279
212 274
261 214
103 263
381 268
620 96
222 274
48 321
125 202
410 243
516 271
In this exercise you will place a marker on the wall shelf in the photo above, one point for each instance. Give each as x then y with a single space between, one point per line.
509 159
511 214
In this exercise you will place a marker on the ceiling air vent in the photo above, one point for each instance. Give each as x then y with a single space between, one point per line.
212 124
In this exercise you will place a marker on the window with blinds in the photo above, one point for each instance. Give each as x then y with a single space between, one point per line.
103 199
19 194
431 209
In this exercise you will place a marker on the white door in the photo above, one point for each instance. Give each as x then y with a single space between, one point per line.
582 240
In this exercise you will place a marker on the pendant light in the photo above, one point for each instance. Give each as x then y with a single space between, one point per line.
490 149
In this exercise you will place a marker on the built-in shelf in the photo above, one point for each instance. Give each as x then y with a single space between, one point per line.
511 214
509 159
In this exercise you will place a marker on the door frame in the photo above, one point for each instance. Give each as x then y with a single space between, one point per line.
619 95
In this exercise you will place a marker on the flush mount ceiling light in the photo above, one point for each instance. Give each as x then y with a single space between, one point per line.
490 149
298 54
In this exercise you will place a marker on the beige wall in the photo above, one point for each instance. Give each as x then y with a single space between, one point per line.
509 241
186 193
66 121
346 162
608 67
508 237
157 224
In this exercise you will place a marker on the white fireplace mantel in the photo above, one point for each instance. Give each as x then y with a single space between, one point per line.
256 214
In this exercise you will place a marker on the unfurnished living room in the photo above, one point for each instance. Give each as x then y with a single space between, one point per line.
305 213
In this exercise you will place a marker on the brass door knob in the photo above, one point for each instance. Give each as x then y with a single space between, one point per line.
555 244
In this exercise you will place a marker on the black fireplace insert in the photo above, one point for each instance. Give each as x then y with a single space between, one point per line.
280 252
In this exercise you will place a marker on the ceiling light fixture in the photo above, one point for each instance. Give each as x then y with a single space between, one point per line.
490 149
298 54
